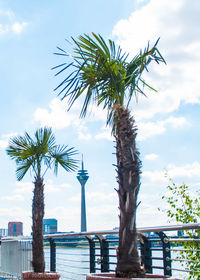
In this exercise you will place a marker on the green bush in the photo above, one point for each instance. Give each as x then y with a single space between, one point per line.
185 209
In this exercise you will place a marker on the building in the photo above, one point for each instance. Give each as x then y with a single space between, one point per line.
50 226
15 228
3 232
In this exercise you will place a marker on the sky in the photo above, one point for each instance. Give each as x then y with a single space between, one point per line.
168 121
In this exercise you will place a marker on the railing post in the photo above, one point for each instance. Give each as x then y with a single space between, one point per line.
146 253
52 255
104 253
92 253
166 253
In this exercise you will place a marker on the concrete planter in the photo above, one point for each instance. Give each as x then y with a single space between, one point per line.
29 275
111 276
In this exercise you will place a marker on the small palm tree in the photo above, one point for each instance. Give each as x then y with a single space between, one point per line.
102 73
38 155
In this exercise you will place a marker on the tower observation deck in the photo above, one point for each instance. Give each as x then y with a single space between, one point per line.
82 176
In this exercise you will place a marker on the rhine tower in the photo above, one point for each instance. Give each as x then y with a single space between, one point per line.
83 177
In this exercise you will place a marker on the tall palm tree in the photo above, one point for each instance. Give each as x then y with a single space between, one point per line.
102 73
38 155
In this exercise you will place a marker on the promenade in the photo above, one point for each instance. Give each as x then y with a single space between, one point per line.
76 254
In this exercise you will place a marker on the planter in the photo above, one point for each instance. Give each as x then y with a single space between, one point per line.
29 275
111 276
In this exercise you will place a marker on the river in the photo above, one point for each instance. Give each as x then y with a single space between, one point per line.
73 263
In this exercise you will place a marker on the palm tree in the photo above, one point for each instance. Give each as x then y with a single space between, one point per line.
38 155
103 74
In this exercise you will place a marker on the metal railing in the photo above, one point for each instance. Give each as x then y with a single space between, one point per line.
76 254
16 256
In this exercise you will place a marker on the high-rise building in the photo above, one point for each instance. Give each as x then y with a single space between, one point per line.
3 232
83 177
15 228
50 226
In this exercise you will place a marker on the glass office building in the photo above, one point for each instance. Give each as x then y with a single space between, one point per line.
50 226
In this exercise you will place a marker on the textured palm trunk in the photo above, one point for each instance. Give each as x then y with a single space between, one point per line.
37 216
128 169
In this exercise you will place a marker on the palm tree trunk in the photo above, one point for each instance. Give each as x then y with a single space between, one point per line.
128 169
37 216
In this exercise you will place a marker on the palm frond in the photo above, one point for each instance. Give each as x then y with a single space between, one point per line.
39 153
103 74
62 155
63 69
23 167
58 66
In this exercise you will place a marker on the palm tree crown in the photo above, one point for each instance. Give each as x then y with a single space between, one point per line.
102 72
40 154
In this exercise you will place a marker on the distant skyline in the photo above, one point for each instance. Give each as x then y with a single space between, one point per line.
168 121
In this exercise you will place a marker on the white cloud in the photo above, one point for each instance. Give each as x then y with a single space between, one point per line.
11 25
18 27
83 133
100 196
98 218
50 187
13 198
3 29
5 139
193 48
65 186
23 187
56 116
97 114
84 136
188 173
107 209
154 186
149 129
176 22
3 144
156 176
68 217
9 135
150 209
10 14
102 209
14 213
176 122
105 134
93 197
154 12
151 157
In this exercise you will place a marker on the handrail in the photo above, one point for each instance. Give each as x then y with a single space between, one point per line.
103 232
139 230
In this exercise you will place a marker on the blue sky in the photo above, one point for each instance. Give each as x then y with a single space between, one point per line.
168 121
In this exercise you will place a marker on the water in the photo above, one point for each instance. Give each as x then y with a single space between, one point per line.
73 263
